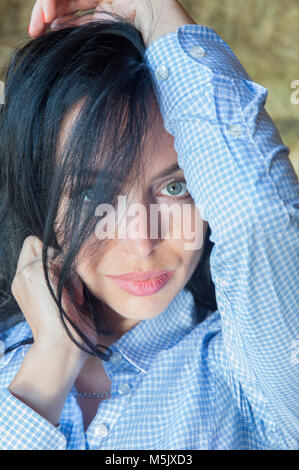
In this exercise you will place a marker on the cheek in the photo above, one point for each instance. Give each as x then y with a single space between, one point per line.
95 258
87 261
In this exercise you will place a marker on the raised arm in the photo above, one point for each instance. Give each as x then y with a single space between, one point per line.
154 18
237 168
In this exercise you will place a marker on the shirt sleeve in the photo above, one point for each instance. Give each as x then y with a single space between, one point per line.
238 172
21 428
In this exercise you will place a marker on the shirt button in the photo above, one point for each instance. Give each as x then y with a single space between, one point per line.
101 430
124 389
162 72
197 52
116 358
235 129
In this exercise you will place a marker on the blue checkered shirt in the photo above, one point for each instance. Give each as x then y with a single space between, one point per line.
230 382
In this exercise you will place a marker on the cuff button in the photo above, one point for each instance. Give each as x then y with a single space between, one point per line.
235 129
197 52
162 72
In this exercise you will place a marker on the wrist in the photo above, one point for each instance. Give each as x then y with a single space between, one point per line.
45 378
51 372
156 19
65 349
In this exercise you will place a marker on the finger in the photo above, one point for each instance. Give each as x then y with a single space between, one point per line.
29 253
66 7
37 23
70 20
127 8
46 11
49 8
104 11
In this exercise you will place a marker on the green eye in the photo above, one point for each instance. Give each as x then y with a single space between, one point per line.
176 188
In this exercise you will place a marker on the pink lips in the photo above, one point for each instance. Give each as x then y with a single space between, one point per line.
145 283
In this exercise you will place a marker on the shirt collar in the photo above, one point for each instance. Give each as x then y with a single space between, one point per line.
144 341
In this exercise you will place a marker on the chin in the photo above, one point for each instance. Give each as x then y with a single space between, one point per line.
148 310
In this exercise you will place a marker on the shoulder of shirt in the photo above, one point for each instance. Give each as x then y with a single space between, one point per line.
204 46
207 328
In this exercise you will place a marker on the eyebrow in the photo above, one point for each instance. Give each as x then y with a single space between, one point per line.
164 173
167 171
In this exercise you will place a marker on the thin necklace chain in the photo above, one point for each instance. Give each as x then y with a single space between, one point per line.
91 394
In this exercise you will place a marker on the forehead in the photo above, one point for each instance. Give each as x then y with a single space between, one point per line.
66 125
158 151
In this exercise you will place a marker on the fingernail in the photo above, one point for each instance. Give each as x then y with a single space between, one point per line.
31 30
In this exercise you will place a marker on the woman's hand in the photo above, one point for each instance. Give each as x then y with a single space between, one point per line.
53 363
45 12
154 18
39 308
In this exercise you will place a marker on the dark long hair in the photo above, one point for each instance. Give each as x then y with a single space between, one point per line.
101 66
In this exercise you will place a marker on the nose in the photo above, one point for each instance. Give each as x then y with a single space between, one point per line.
136 233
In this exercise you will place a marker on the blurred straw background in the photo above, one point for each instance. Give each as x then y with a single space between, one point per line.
262 33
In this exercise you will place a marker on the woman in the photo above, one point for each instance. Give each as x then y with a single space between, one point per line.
92 113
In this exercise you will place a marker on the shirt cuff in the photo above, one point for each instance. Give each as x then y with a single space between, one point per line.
22 428
191 56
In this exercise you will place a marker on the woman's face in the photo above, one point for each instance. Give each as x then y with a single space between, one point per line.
142 250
